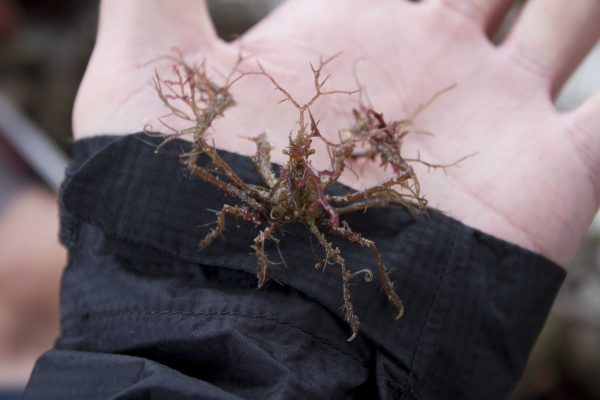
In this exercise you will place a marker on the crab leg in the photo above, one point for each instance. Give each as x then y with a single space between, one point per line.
262 159
334 254
388 285
227 188
381 201
201 147
262 259
216 231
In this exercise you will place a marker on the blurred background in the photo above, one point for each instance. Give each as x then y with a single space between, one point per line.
44 47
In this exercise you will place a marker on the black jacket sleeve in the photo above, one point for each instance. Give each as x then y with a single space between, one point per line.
146 314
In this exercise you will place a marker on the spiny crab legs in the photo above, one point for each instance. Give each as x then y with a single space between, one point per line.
296 194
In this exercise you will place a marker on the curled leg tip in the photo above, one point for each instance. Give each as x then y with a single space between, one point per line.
351 338
367 274
400 313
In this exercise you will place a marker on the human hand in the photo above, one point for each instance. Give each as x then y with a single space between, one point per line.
536 179
31 266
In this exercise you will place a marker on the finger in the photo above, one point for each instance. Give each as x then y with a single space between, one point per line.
150 27
552 36
584 127
486 13
589 115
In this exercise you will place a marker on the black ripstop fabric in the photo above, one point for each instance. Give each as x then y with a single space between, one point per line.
145 314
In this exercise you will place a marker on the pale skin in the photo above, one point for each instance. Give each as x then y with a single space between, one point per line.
29 281
535 180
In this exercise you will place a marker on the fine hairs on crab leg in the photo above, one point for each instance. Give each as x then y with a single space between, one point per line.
227 188
381 201
384 188
362 195
217 230
262 259
386 282
262 159
333 253
221 166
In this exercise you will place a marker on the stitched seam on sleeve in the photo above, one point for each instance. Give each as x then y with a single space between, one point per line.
132 313
451 250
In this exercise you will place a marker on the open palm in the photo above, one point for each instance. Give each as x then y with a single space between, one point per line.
535 180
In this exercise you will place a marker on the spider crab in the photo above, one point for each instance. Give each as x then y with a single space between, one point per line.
297 194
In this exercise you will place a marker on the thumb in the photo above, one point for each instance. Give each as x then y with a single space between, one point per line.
131 33
147 28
